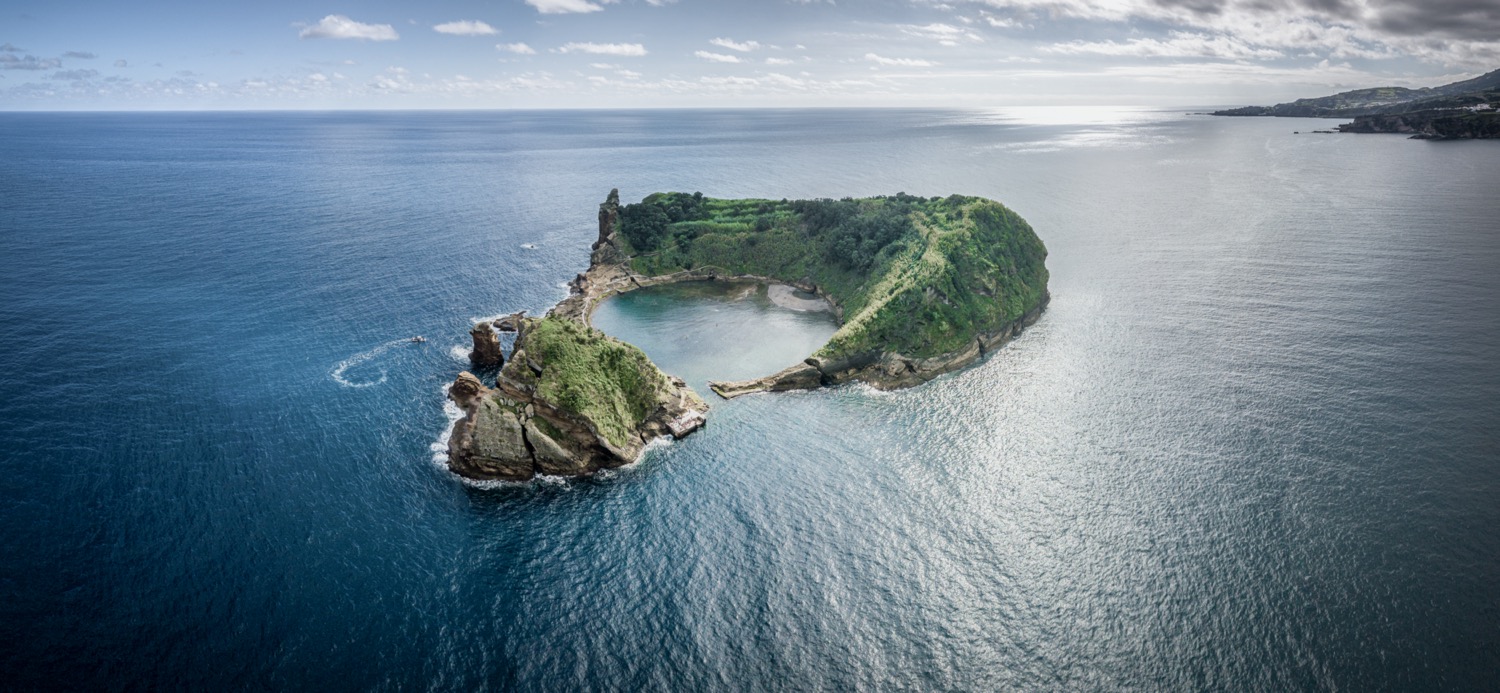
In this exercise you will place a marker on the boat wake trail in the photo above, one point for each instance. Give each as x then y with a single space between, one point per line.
353 361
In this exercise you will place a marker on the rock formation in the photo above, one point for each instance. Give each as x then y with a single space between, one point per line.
570 401
486 352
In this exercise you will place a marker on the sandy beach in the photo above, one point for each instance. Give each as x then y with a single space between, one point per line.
786 296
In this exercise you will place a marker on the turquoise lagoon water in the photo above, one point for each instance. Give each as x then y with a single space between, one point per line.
703 331
1251 446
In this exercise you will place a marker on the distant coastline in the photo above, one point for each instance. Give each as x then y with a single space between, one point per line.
1462 110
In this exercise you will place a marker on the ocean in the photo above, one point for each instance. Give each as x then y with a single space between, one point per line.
1253 444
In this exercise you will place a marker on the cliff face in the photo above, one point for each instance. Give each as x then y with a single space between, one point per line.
570 401
1430 125
486 352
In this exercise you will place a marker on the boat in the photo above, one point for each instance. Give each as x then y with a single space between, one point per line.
419 339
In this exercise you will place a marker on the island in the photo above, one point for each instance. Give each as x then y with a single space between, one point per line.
1469 109
921 286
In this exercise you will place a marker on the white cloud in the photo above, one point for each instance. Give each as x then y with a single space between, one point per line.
466 27
1179 45
632 50
337 26
517 48
717 57
779 61
944 34
564 6
731 44
899 62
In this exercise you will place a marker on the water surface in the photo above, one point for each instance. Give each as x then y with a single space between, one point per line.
1250 446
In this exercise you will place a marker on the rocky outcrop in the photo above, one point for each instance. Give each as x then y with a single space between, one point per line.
1430 125
486 352
543 418
605 251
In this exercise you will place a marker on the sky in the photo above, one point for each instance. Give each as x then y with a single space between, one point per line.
456 54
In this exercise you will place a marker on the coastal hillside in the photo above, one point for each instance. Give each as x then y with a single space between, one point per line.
917 276
1383 100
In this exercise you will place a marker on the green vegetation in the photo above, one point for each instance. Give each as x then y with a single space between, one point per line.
914 275
590 375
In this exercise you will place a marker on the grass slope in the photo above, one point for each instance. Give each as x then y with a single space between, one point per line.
590 375
917 276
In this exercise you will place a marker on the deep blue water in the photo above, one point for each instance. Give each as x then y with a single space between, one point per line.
1253 445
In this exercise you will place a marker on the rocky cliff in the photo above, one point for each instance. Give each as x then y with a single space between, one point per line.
1430 125
569 401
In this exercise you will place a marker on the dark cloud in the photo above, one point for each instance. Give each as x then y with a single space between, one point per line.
11 61
10 48
1199 7
1477 20
82 55
1341 9
75 75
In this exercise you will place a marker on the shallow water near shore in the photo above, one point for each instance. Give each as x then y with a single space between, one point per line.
1249 446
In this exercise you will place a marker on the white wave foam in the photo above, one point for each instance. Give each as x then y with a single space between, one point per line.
458 352
439 447
492 318
362 357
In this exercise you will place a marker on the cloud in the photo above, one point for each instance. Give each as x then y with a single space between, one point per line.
731 44
944 34
10 48
564 6
10 61
466 27
899 62
75 75
1451 32
1477 20
1179 45
81 55
517 48
717 57
337 26
630 50
1000 22
779 61
121 63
